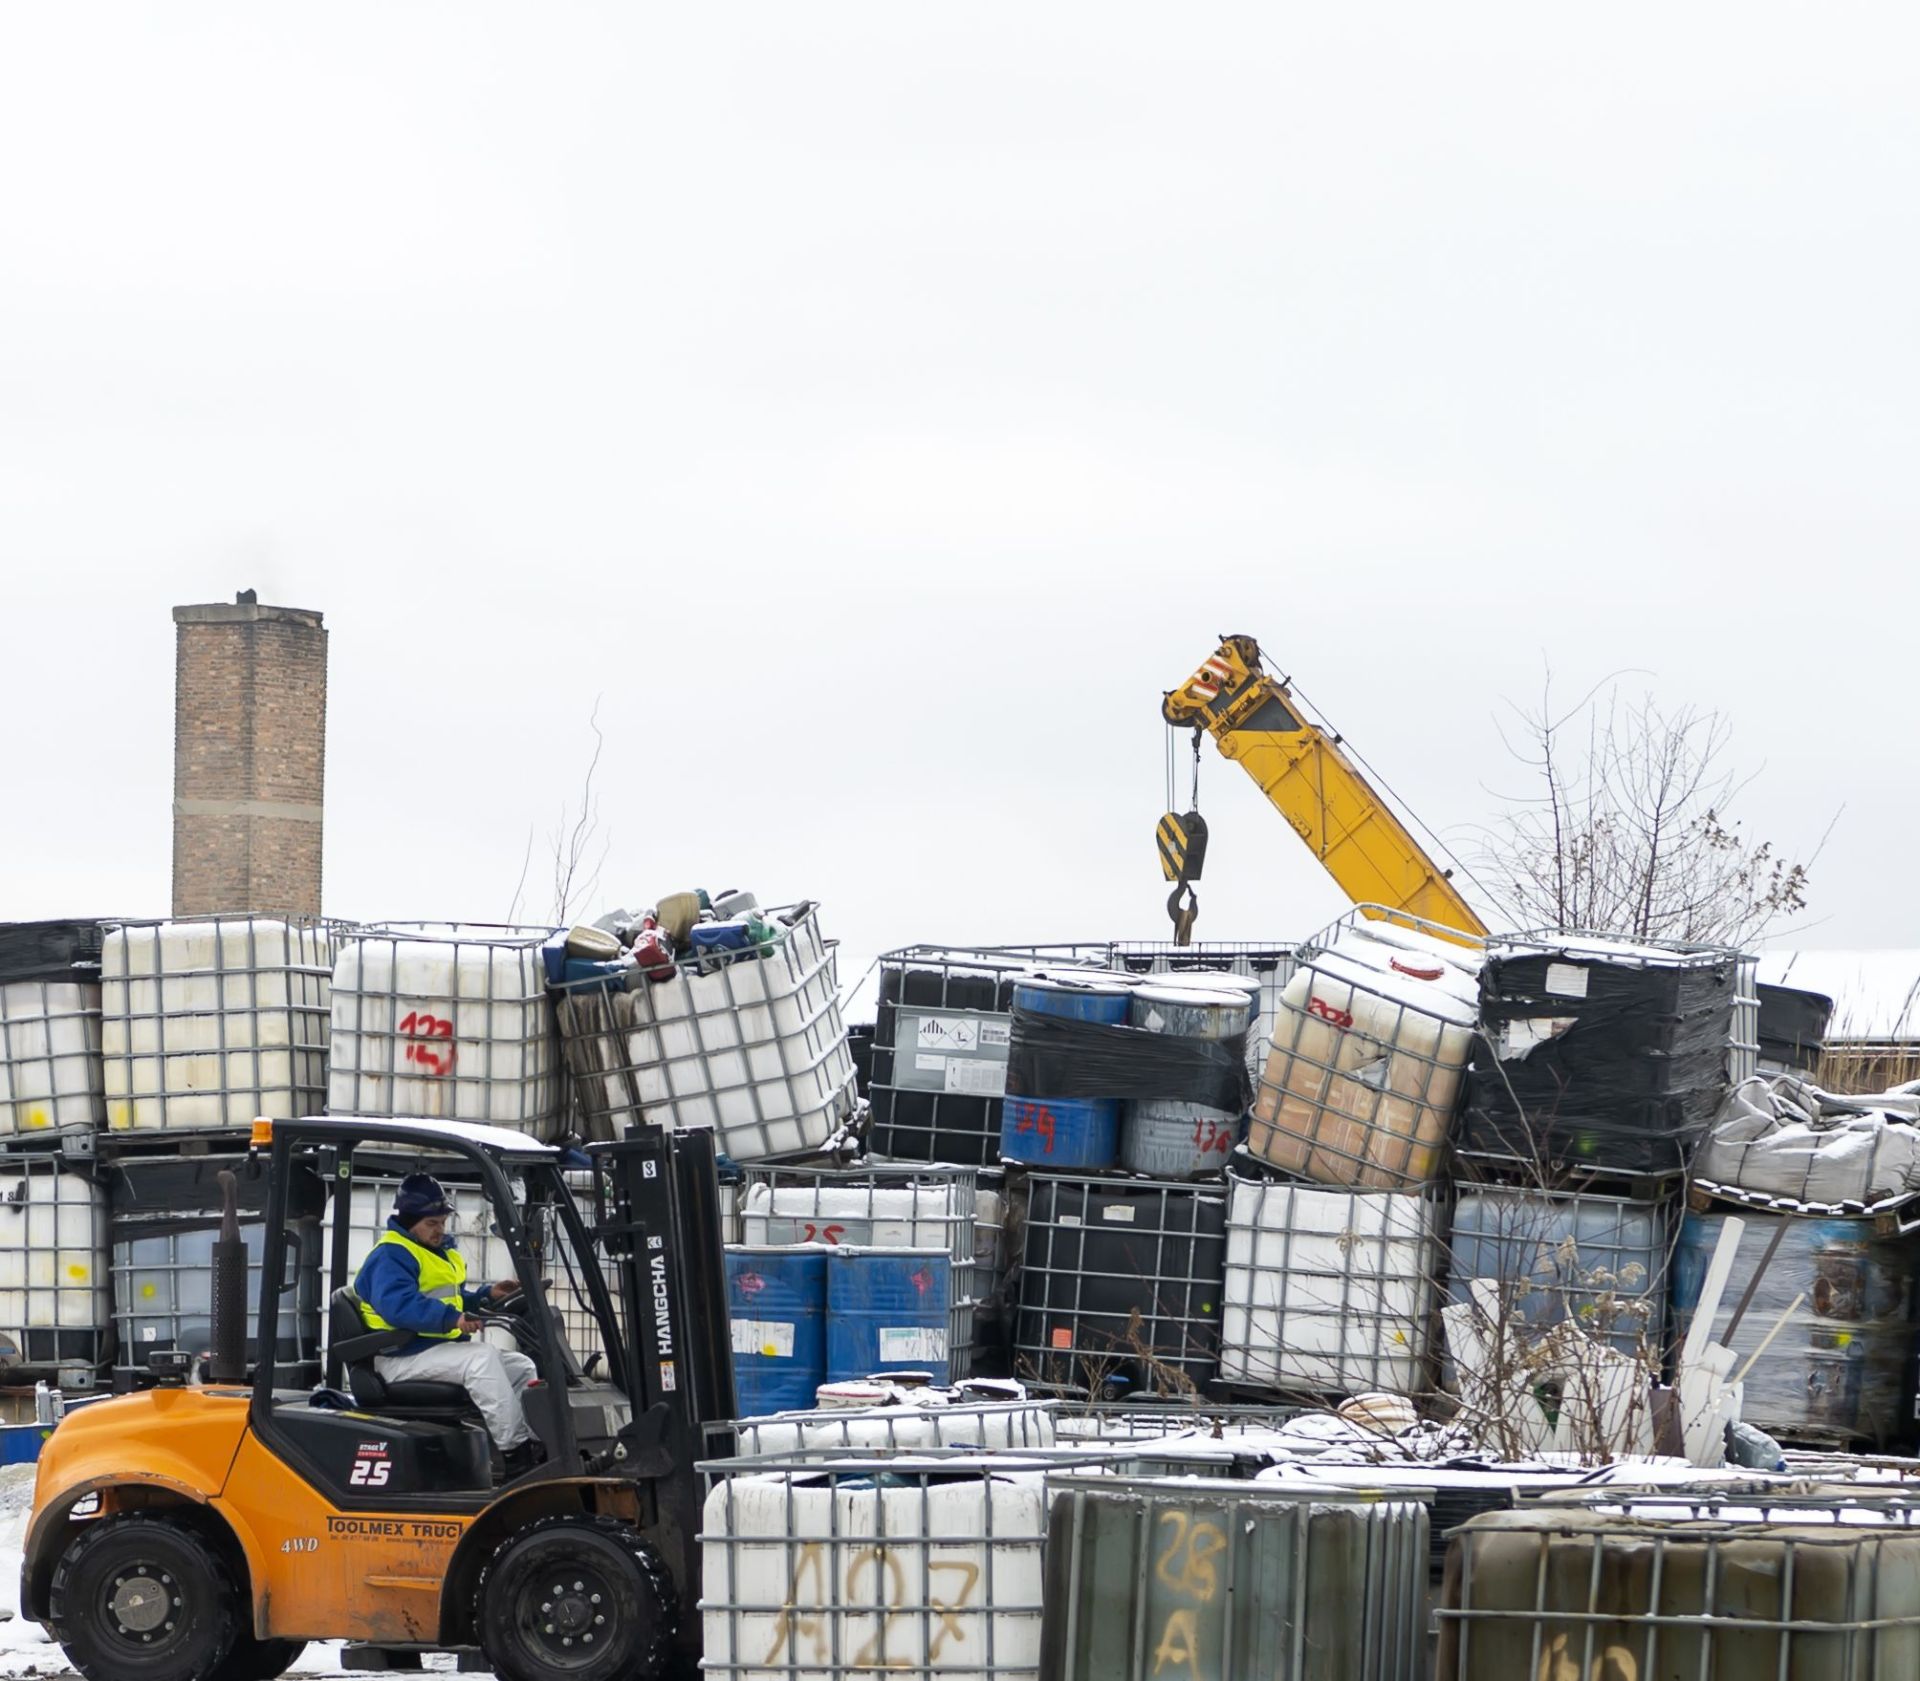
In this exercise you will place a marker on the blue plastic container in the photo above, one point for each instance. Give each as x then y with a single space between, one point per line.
1065 1132
20 1444
777 1302
888 1310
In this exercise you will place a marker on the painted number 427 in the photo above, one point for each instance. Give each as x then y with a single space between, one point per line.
370 1473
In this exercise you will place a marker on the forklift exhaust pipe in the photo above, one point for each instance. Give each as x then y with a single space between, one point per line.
229 1359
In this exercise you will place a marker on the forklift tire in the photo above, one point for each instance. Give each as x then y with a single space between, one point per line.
253 1659
577 1597
138 1598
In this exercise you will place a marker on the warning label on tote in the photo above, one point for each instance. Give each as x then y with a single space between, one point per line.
913 1342
929 1047
947 1033
769 1337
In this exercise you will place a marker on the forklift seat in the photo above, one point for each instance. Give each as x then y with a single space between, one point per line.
355 1346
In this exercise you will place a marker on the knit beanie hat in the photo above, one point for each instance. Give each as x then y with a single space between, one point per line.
420 1195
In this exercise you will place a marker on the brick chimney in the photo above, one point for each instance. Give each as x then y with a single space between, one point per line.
249 758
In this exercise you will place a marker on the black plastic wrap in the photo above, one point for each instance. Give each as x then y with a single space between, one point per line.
1590 1061
49 951
1051 1056
1793 1026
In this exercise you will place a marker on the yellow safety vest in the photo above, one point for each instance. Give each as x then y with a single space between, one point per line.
440 1277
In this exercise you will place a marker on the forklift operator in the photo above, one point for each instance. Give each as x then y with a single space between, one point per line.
415 1280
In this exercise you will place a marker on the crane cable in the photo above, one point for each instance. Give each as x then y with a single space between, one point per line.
1386 788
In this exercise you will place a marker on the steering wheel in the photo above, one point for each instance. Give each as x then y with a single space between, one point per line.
512 1313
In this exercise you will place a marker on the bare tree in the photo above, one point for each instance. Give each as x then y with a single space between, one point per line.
1628 827
572 841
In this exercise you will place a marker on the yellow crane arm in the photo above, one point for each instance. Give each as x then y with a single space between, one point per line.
1316 787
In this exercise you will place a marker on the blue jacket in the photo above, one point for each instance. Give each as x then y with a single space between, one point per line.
389 1282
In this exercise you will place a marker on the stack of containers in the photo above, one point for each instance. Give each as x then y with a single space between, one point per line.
878 1207
747 1040
446 1022
809 1314
1331 1286
211 1022
52 1080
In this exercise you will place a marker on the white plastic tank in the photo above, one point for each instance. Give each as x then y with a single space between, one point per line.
1328 1291
54 1302
51 1080
1369 1053
754 1048
213 1022
448 1022
807 1572
51 1077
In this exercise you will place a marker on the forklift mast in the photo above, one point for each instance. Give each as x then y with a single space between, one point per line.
662 1236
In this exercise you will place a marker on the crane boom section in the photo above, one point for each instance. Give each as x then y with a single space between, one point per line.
1315 786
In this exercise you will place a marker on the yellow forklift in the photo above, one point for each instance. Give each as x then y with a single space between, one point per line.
205 1531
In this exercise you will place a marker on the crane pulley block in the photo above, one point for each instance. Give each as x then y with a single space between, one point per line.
1183 845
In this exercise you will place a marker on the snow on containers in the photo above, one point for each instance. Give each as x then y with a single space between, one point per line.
1600 1261
1599 1055
446 1022
777 1305
1328 1291
1369 1051
857 1565
1170 1137
1835 1372
1678 1585
1120 1285
211 1022
1220 1580
51 1076
1064 1132
940 1054
896 1428
163 1220
876 1206
888 1310
748 1041
55 1309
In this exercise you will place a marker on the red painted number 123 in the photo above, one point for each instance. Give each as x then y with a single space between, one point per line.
428 1058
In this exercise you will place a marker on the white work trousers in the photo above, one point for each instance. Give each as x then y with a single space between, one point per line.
492 1376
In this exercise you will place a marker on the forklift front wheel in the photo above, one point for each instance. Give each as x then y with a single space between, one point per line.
579 1597
139 1598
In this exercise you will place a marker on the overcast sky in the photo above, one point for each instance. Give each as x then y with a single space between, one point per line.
880 405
